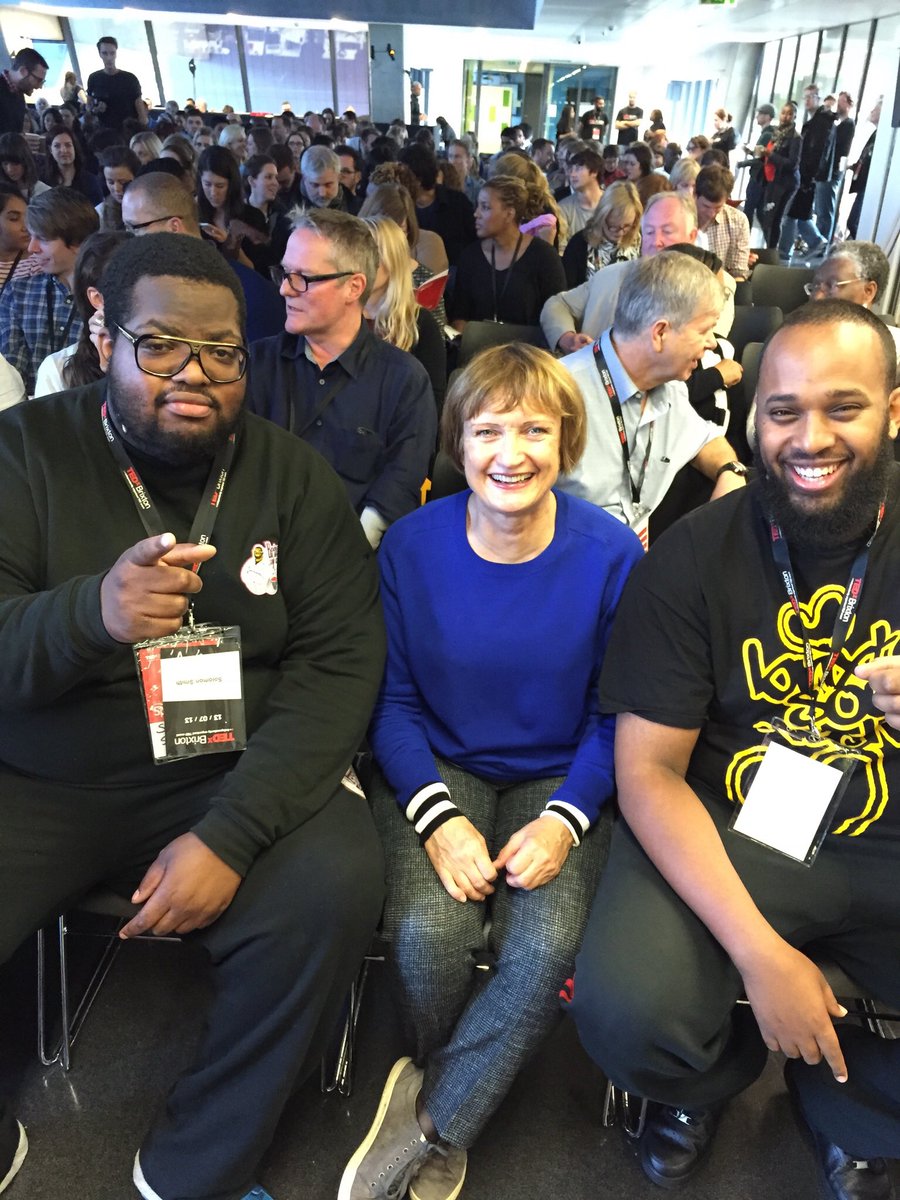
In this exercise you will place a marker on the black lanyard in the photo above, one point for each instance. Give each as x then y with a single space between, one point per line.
509 271
615 405
852 595
205 520
51 304
12 271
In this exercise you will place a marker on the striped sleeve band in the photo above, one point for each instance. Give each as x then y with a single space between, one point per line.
429 808
573 818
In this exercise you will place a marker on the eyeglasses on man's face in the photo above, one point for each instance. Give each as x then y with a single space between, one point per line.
298 282
163 356
826 287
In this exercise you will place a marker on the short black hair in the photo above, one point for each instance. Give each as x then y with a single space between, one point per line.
714 158
588 157
164 254
29 59
423 164
108 40
349 152
119 156
832 312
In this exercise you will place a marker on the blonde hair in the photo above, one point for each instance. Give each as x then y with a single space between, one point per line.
516 375
394 201
149 139
539 197
620 200
397 311
684 172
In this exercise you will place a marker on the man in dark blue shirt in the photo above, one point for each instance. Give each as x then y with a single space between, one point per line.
366 406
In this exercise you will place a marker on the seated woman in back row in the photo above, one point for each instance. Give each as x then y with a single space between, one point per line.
507 275
496 762
613 234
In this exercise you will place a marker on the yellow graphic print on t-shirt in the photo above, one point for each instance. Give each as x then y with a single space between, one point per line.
841 709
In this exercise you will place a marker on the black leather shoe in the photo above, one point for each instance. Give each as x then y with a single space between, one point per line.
847 1178
675 1143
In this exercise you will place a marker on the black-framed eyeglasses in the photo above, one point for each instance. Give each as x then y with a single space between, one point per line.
163 356
298 282
134 226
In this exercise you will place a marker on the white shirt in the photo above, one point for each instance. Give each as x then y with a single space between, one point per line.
678 435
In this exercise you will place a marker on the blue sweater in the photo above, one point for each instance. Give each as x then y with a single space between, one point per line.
494 666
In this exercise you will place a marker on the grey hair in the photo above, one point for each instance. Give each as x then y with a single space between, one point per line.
870 261
683 198
667 287
351 244
317 160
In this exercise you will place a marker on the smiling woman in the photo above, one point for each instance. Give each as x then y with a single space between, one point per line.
496 763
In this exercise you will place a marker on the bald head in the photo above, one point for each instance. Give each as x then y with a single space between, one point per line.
159 203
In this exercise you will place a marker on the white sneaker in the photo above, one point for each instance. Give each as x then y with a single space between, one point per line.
18 1159
441 1176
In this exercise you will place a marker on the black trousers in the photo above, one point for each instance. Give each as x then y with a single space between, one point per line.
753 201
283 955
655 993
862 1116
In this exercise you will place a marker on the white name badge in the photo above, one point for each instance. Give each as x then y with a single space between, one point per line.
192 690
641 526
794 795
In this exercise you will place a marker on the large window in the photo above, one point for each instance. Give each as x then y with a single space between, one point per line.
829 58
785 74
804 72
351 60
213 50
133 56
854 61
767 73
290 63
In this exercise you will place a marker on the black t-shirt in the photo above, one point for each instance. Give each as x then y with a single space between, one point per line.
705 638
118 92
521 290
627 136
594 125
12 107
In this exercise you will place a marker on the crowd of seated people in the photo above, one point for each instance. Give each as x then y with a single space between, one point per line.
280 304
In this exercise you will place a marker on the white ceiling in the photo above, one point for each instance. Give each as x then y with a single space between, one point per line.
742 21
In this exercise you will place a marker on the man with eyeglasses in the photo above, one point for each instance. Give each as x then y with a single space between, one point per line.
160 203
140 512
366 406
27 74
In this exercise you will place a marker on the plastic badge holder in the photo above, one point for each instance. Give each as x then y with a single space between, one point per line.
794 792
192 688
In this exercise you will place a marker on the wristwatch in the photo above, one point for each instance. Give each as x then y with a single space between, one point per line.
739 468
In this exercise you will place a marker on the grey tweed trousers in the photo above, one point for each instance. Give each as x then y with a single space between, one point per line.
473 1030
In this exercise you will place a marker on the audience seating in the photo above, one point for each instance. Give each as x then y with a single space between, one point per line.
781 286
101 903
753 323
743 294
478 335
446 477
767 256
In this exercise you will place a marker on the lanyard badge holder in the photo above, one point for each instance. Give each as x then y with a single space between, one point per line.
640 521
192 690
794 792
797 786
191 681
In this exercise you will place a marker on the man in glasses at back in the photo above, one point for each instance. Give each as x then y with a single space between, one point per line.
148 509
366 406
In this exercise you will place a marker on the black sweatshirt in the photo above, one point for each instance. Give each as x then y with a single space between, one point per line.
312 653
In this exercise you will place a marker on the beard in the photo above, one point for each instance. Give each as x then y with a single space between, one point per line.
843 519
137 419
